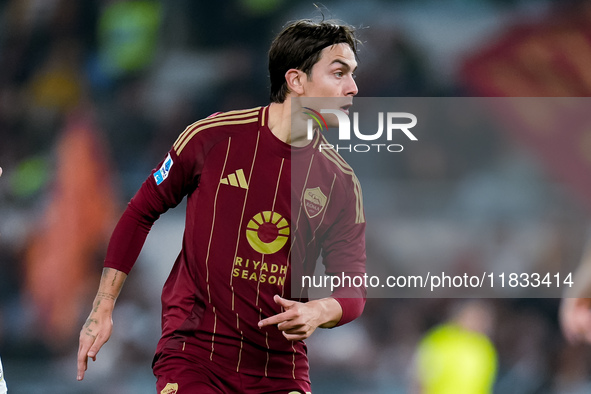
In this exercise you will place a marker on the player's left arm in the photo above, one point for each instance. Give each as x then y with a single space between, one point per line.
343 252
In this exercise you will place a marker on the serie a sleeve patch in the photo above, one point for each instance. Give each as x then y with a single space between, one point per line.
162 173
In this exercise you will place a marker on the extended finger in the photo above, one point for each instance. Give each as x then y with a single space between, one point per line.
275 319
82 358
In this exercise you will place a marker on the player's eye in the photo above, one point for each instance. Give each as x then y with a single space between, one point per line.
339 74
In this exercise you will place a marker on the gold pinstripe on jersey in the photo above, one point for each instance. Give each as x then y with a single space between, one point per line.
256 149
215 323
293 362
236 249
272 210
240 352
208 251
213 222
266 343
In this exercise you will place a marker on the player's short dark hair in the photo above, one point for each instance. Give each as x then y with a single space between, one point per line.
299 45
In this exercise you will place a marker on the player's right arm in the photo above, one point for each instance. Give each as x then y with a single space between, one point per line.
175 177
99 325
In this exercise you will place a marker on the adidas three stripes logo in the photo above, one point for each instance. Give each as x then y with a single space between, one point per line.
235 179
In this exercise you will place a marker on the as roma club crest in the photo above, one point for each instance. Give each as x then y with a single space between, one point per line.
171 388
314 201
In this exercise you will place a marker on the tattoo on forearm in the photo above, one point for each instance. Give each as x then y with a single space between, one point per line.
105 296
114 278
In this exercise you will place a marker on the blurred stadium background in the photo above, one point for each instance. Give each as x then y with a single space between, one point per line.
93 93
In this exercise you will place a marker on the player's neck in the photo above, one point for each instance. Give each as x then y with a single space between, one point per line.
280 123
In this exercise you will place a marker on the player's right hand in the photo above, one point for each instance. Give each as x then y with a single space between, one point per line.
94 334
575 319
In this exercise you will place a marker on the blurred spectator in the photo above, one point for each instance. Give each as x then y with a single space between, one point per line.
458 356
127 37
53 90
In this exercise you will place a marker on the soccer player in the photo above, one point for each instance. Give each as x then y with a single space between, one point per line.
263 203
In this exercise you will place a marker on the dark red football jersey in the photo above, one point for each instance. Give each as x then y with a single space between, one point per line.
258 212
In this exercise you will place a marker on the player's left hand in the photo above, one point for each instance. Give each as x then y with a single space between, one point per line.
299 320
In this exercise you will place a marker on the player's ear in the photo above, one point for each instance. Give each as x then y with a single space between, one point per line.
294 79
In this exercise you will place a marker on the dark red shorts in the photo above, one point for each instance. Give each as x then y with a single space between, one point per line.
179 372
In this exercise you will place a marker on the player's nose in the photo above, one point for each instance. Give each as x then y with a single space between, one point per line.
351 87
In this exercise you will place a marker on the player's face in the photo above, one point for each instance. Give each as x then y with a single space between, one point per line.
332 76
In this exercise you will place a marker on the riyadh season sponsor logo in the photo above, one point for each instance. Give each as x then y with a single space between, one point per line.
267 232
389 125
